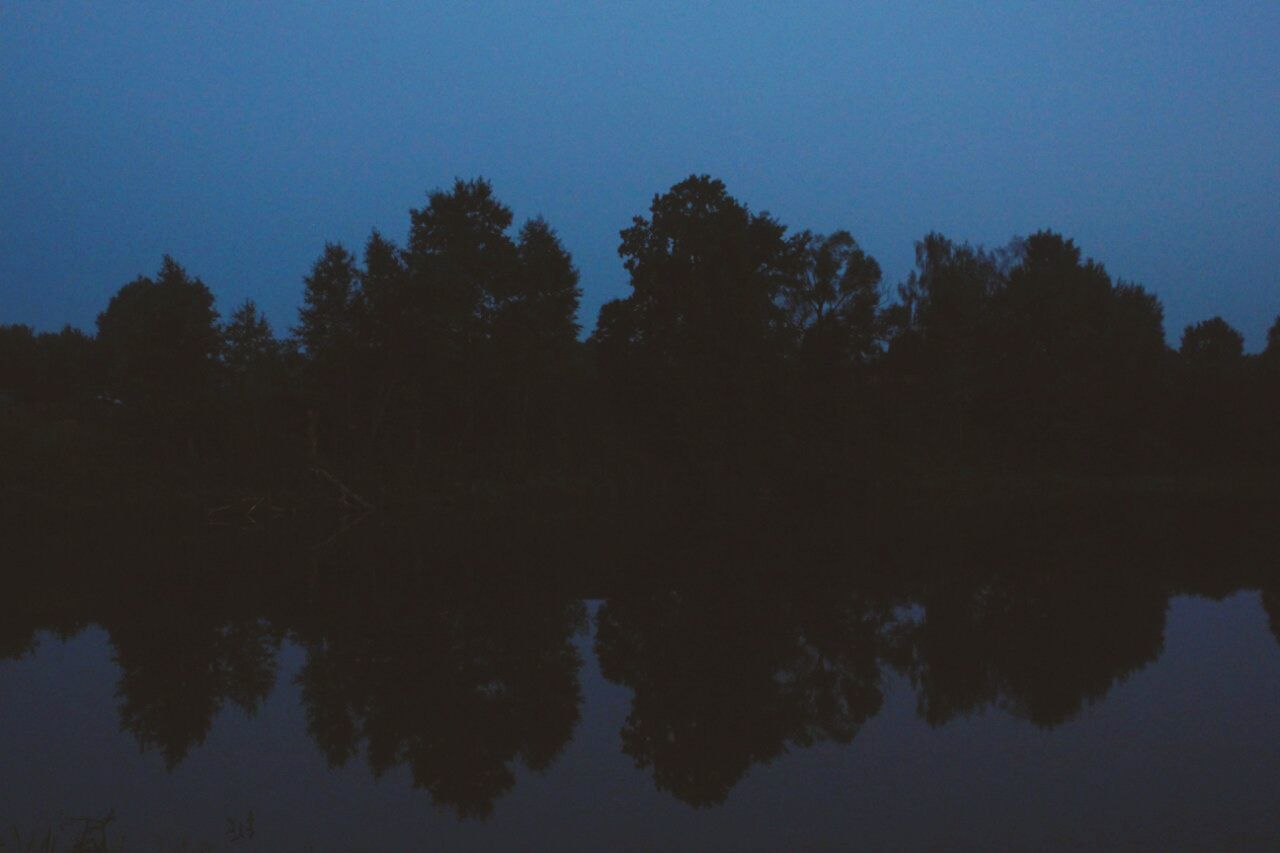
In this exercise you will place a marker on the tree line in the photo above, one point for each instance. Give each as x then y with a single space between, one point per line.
748 358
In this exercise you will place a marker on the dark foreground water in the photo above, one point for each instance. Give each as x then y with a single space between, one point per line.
1034 693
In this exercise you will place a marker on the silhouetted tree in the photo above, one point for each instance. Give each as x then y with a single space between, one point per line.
458 258
47 368
1081 358
327 333
1030 352
707 275
451 353
534 336
1214 400
160 337
1272 351
1212 345
17 358
947 297
161 344
539 307
943 341
834 301
695 353
1265 413
71 370
249 343
387 339
259 386
326 325
461 258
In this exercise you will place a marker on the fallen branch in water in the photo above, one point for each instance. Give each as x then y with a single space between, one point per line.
348 498
248 510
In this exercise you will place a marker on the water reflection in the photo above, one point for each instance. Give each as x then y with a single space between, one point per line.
177 670
1271 602
454 654
727 678
455 684
1039 646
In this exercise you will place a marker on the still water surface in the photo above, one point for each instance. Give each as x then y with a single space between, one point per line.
995 709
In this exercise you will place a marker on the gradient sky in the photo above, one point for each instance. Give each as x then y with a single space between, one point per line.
239 137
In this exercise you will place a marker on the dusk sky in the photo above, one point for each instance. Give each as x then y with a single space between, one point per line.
240 137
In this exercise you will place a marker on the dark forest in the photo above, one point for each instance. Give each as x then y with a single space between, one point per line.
751 365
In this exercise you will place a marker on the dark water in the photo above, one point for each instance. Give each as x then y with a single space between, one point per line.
1073 686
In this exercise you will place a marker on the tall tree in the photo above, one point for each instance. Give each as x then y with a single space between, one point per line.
947 297
1215 408
1265 413
248 341
460 260
382 300
696 351
327 331
258 388
706 278
534 337
943 338
834 300
69 365
326 325
1272 350
18 360
1079 356
386 335
441 353
538 308
1212 345
161 344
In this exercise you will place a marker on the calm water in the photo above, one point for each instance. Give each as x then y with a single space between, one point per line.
1048 693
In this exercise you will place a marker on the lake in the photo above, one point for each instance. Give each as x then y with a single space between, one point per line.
1115 688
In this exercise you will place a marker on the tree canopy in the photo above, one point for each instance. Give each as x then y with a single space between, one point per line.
160 339
747 359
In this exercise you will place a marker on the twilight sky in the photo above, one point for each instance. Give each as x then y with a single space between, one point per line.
239 137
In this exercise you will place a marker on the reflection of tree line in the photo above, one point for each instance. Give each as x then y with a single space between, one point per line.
1039 647
461 671
724 680
456 688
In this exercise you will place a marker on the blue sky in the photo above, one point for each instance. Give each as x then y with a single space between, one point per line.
240 137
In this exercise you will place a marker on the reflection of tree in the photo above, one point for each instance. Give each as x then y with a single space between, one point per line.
723 681
459 676
33 599
1038 646
19 635
1271 603
456 690
16 641
18 627
176 673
